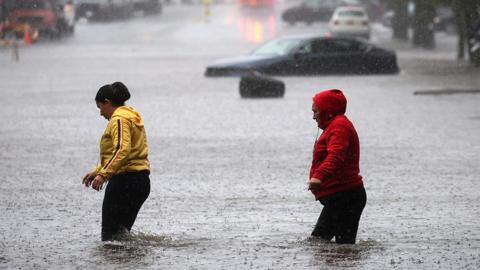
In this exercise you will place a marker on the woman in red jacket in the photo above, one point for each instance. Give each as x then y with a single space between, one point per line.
334 175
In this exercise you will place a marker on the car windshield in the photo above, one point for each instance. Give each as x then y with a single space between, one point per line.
351 13
278 46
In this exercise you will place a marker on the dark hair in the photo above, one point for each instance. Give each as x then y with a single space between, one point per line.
116 92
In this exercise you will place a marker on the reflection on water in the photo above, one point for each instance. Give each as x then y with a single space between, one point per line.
257 3
257 25
121 253
142 250
256 30
340 255
134 249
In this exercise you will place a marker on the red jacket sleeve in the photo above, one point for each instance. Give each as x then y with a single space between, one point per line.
337 146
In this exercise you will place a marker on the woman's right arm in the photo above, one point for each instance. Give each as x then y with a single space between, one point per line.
88 178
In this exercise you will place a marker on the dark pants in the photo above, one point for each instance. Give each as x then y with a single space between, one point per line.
340 216
124 195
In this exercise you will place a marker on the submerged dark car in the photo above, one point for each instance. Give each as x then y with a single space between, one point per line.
297 55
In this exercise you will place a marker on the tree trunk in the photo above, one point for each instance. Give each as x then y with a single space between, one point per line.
461 29
400 20
423 34
472 16
3 11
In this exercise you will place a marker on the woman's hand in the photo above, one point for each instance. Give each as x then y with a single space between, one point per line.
98 182
314 184
88 178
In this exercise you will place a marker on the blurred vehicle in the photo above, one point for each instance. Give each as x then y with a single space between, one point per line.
45 16
148 6
257 25
104 9
375 8
350 21
306 55
444 20
310 11
256 3
475 37
387 18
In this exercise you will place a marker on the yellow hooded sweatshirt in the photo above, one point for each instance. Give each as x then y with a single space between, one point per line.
123 147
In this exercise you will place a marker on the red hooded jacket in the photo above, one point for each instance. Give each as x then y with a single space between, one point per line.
336 154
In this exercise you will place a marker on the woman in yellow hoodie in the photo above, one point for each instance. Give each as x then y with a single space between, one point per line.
123 161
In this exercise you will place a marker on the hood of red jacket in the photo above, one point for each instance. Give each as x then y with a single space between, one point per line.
330 103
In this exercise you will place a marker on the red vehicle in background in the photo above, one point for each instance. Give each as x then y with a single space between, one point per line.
257 3
45 17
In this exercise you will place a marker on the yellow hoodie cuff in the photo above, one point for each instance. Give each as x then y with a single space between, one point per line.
104 174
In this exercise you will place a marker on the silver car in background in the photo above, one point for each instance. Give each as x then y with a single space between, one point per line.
350 21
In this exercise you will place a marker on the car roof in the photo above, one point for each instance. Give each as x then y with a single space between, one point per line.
350 8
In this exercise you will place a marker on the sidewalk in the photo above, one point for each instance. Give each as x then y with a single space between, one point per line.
440 60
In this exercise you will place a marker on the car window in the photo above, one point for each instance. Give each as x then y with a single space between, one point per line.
278 47
346 45
315 46
307 48
351 13
333 46
319 46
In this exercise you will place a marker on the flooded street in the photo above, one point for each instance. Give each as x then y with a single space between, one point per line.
229 175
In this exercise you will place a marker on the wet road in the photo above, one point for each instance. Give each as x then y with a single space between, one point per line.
229 175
